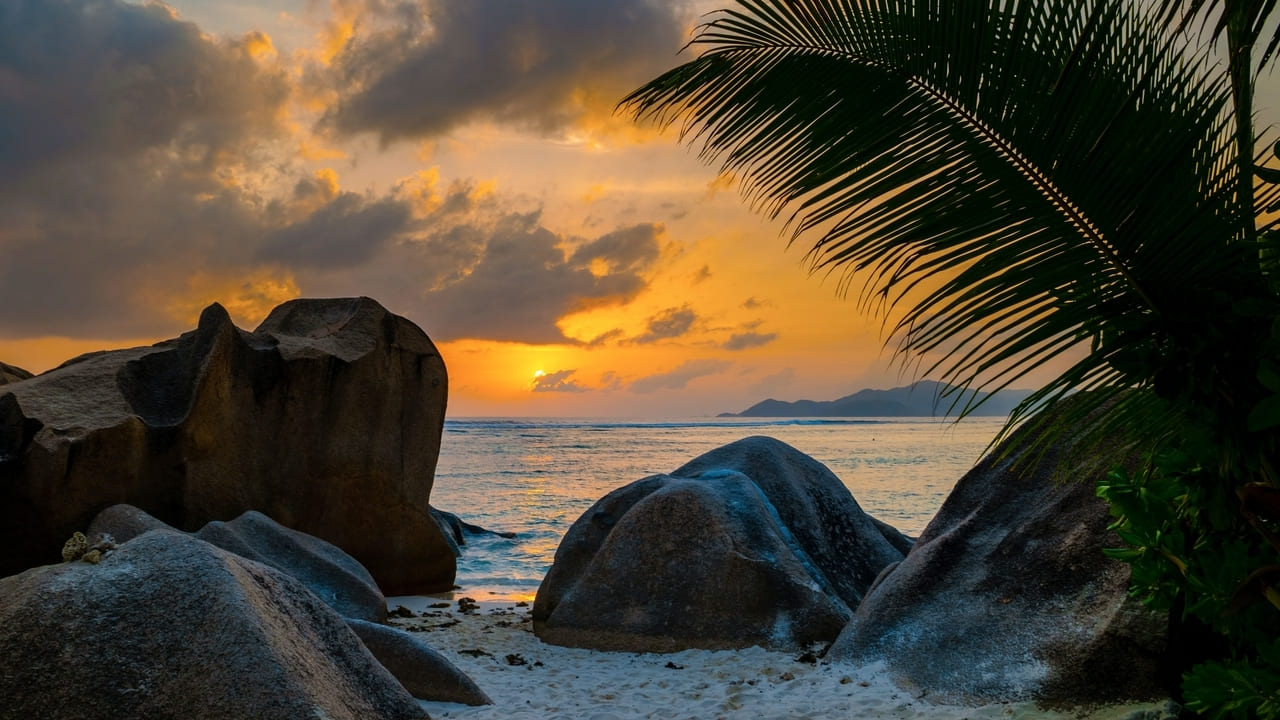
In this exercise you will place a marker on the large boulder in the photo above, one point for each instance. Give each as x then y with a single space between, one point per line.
329 573
327 418
425 673
848 547
12 374
332 575
1007 596
168 626
713 556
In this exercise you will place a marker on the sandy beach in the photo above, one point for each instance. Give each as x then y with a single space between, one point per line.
493 642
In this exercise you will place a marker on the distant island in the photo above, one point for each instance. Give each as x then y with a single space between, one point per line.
923 399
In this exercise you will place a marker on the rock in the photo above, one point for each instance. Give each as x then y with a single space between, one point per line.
425 673
743 546
124 523
1006 596
168 626
330 574
12 374
327 418
457 529
849 547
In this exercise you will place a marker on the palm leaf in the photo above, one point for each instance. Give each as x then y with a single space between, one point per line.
1004 179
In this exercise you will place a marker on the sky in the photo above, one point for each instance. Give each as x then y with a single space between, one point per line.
459 162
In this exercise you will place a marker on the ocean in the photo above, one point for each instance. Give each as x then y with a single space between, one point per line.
536 476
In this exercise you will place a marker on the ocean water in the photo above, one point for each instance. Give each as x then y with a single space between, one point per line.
536 476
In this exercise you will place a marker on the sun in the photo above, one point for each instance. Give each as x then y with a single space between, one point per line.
539 373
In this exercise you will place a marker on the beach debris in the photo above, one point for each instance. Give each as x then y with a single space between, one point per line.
475 652
467 604
786 677
440 605
75 548
808 657
672 666
516 659
401 611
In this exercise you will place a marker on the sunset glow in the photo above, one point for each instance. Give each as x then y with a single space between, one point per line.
565 260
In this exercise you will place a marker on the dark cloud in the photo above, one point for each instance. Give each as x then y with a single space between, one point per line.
668 324
421 67
622 250
344 232
681 376
119 129
524 281
752 303
745 340
144 166
81 78
558 382
703 274
605 337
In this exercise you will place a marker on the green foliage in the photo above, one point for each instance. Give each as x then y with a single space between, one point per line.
1237 690
1015 182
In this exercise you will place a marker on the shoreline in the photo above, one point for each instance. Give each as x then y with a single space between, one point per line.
494 644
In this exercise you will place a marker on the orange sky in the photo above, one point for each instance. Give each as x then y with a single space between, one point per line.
459 162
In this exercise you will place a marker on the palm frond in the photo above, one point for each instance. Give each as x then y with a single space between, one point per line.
1010 178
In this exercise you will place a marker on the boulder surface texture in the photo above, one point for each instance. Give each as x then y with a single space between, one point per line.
752 544
332 575
12 374
327 418
168 626
422 671
1007 596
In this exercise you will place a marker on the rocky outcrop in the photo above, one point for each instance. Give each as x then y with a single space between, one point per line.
848 547
458 530
12 374
740 547
332 575
168 626
327 418
1007 596
425 673
123 523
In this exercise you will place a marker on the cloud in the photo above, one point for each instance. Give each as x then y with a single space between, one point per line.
774 382
752 303
344 232
125 138
418 68
148 168
605 337
95 78
743 341
558 382
610 380
523 280
681 376
670 323
703 274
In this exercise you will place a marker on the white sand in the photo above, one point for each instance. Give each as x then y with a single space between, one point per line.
526 678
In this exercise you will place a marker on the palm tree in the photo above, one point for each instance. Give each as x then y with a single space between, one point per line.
1015 183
